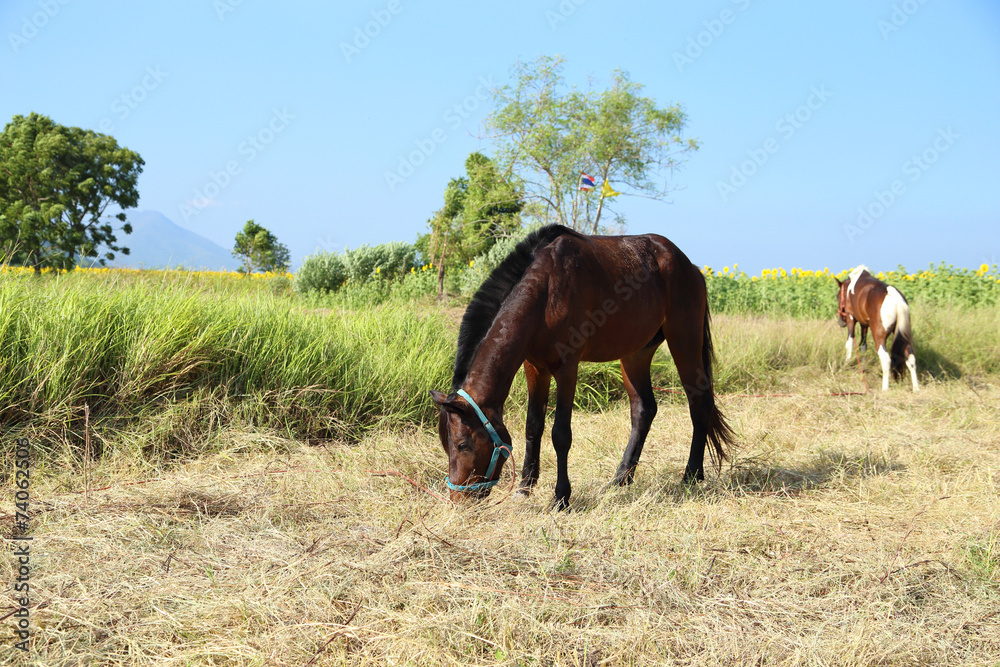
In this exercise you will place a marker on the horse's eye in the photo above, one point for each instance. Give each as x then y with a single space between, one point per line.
464 446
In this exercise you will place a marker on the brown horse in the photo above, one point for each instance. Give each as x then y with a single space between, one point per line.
868 301
560 298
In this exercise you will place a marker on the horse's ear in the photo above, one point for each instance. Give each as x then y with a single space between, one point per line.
446 402
838 281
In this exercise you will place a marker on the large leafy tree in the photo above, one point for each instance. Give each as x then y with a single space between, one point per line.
479 209
56 184
547 135
492 206
259 249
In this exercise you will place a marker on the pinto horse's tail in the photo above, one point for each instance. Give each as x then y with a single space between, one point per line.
720 434
902 343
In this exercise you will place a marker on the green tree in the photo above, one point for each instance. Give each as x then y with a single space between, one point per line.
479 209
259 250
56 183
547 136
491 209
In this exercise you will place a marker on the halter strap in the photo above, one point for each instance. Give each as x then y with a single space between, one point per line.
499 447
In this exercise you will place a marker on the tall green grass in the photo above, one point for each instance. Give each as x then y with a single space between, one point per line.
129 351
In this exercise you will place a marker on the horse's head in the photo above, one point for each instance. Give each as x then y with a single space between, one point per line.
476 444
842 313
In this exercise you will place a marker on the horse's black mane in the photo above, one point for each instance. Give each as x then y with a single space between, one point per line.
491 294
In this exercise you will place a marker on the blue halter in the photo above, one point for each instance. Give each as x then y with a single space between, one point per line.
498 448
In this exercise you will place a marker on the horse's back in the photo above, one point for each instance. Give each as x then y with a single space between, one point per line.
612 294
868 294
618 256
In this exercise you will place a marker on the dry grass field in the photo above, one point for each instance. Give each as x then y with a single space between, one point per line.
849 530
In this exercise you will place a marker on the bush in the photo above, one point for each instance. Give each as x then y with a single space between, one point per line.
388 260
329 271
322 272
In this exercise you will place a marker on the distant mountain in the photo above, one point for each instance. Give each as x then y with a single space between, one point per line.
157 243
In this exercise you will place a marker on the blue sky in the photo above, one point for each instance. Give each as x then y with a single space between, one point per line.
832 134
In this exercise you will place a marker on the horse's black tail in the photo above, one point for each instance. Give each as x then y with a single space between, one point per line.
720 434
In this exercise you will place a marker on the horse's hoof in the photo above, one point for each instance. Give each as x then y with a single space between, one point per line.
692 477
561 504
623 480
862 347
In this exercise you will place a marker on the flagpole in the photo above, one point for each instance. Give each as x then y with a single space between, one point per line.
576 197
606 192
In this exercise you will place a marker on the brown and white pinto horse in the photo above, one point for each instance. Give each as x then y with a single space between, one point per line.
557 299
865 299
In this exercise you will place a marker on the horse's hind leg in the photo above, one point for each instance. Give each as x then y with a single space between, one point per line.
538 399
562 432
635 373
911 363
686 349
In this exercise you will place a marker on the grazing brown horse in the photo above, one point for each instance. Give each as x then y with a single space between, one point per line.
865 299
560 298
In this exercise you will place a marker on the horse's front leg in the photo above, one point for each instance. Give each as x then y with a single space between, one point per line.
538 400
850 337
863 342
562 433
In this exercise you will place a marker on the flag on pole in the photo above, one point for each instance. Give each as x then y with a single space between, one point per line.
586 182
608 191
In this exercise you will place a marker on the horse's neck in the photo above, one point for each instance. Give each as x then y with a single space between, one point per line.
500 354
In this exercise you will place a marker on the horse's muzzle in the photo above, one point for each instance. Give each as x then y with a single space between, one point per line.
459 497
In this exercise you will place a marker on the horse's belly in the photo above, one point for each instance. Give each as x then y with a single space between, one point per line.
606 337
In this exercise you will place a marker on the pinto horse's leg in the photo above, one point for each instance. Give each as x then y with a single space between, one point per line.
911 363
883 357
850 337
863 343
635 373
538 400
562 433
